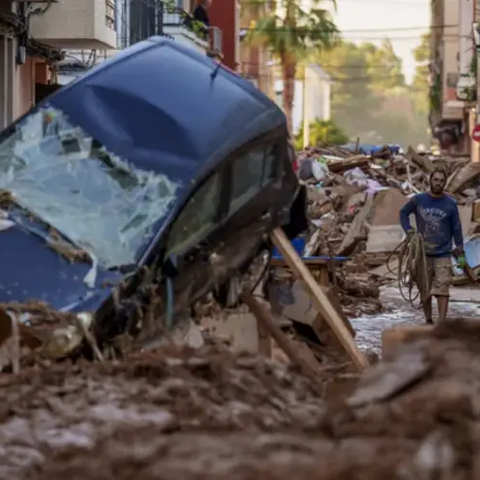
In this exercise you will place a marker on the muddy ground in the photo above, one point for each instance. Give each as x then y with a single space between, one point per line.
396 312
183 414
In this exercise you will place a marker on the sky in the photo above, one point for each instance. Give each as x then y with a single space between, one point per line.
403 21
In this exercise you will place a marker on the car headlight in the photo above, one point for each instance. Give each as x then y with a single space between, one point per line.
67 338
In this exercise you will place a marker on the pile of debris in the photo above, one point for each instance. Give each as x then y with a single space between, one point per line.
65 411
211 414
355 200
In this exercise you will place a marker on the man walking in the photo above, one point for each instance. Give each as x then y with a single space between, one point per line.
438 221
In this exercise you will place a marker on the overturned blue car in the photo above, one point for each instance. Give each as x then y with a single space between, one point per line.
146 184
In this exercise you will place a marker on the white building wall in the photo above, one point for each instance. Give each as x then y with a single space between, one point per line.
466 19
74 24
312 97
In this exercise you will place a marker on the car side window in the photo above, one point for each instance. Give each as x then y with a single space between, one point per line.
250 172
197 217
271 161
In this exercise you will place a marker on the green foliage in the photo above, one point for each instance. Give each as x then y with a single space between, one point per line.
370 98
353 100
474 64
295 32
425 98
292 33
384 67
322 132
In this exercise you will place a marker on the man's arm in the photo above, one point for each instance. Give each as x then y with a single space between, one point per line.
456 226
409 208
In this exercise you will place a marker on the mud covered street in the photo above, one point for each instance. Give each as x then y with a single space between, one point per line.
178 413
464 303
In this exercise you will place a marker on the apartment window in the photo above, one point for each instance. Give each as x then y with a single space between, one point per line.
110 14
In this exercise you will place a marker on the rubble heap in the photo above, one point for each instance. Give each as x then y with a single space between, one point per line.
210 414
355 200
67 410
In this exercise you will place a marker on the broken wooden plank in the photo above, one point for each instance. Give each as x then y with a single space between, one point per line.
388 379
459 179
263 317
424 163
340 166
357 231
332 296
321 301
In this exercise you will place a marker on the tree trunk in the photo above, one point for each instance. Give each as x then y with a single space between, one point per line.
289 68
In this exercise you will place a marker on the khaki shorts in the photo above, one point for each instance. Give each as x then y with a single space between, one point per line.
439 276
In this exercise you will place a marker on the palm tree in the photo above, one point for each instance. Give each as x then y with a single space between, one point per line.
292 33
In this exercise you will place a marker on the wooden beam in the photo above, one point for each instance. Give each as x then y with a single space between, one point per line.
265 319
320 300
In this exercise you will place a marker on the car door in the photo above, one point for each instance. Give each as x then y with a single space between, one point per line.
225 220
192 238
255 193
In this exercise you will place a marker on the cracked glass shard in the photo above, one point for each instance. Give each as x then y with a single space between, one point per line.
98 201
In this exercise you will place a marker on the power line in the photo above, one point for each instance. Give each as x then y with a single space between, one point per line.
399 29
393 39
341 67
261 3
364 78
373 39
358 80
395 2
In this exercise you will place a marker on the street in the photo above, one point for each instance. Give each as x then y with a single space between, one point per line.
464 303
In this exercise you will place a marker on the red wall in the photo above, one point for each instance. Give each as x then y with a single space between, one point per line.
222 15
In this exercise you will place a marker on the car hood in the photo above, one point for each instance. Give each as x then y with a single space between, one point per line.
31 270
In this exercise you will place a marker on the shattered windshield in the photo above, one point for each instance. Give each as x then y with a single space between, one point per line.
62 175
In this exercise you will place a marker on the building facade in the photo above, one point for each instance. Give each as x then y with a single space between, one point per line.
256 62
311 97
225 16
137 20
44 45
24 60
452 74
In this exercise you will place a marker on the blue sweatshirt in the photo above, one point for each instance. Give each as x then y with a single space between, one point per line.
437 220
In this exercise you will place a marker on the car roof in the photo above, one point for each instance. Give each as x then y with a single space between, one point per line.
167 108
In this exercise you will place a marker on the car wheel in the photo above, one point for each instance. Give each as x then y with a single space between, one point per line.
249 278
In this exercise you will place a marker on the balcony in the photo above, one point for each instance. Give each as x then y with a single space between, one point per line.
181 26
138 20
73 24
